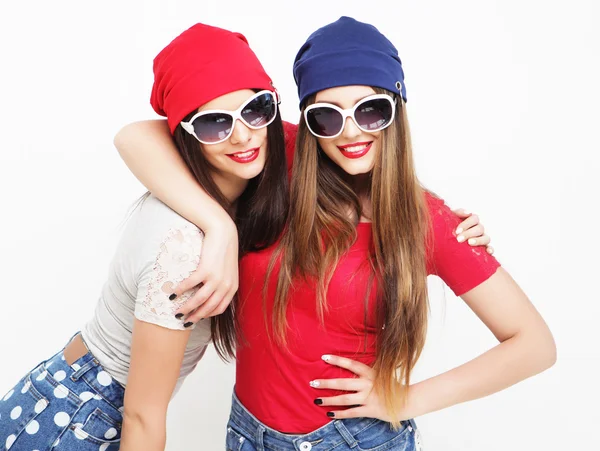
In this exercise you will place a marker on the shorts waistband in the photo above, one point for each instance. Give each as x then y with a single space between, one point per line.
328 436
86 368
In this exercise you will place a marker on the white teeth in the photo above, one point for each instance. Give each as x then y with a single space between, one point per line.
244 154
356 148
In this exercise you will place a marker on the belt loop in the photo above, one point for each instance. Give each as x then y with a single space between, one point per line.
412 424
84 369
345 433
260 432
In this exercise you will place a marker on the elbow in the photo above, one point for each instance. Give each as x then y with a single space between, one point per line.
550 354
542 349
534 349
131 138
120 140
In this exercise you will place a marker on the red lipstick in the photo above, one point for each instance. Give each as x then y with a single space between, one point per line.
245 156
355 150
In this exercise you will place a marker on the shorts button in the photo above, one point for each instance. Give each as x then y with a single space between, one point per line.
305 446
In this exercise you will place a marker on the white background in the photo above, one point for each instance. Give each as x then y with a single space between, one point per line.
503 101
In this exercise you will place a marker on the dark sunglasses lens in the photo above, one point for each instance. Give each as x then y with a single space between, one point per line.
260 111
374 114
325 121
213 127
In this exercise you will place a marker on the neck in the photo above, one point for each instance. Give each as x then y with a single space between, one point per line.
361 184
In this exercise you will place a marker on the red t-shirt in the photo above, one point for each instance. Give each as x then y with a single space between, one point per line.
273 381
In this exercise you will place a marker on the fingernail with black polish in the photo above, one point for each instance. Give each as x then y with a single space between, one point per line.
179 316
172 297
188 324
318 401
330 414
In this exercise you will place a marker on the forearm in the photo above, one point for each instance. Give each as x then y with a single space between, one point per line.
141 433
504 365
150 154
156 357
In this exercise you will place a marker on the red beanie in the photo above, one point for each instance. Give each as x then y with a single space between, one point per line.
199 65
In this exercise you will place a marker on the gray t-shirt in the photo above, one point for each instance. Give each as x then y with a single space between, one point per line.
158 249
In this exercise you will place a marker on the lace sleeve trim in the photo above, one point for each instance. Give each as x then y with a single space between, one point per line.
178 257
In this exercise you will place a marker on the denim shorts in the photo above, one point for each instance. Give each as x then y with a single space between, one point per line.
246 433
63 407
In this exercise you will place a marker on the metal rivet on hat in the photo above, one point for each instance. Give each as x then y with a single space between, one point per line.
399 86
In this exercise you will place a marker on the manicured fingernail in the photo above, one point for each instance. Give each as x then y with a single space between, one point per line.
467 212
473 241
188 324
179 316
330 414
459 231
314 384
172 297
460 238
326 357
318 401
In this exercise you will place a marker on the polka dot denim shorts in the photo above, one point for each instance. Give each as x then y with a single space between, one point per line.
63 408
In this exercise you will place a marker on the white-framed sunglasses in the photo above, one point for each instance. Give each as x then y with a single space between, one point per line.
371 114
216 126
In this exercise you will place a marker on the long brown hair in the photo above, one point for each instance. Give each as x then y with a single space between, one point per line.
320 231
260 216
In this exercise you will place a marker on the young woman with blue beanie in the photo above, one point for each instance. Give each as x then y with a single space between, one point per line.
332 318
345 313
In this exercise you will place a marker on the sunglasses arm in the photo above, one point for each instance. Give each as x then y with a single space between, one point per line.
187 127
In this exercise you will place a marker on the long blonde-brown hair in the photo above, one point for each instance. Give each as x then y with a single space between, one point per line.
320 231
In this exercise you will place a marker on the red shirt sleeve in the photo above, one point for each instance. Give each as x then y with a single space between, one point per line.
290 131
461 266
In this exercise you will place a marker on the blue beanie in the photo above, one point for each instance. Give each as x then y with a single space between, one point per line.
347 52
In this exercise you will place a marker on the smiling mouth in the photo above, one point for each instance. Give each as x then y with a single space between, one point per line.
355 150
245 156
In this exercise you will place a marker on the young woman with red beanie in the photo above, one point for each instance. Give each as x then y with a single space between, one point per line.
132 356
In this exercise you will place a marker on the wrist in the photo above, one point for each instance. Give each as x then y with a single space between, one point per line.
414 402
430 395
219 222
